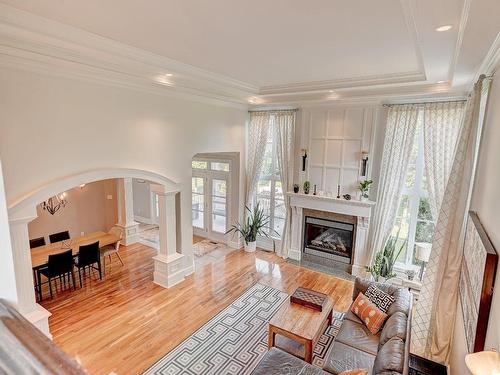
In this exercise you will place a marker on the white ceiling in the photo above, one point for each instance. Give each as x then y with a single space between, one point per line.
284 47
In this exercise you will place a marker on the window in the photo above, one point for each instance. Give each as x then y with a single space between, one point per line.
414 222
269 193
199 164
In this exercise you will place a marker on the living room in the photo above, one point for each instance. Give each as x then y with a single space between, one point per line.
361 139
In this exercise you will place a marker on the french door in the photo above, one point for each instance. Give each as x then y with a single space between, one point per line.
210 203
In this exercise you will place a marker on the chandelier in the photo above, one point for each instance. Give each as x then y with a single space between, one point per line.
53 204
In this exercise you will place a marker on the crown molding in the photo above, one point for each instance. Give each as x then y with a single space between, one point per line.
491 61
56 48
361 82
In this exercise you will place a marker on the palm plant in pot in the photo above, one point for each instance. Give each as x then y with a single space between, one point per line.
252 227
382 268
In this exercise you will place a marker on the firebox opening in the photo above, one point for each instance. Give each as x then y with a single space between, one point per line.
328 239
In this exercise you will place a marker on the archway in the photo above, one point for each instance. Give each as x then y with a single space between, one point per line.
170 266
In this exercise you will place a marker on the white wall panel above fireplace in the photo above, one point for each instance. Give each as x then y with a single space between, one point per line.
335 138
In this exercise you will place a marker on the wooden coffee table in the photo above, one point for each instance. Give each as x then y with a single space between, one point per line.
300 324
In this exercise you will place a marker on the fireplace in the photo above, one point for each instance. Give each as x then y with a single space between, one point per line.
330 239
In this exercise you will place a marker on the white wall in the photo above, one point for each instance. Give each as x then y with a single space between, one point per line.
334 136
486 202
142 201
55 127
88 210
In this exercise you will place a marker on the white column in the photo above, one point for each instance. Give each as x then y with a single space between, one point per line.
129 227
21 256
16 280
169 264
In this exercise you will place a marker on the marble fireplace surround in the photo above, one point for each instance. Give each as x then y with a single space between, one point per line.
359 210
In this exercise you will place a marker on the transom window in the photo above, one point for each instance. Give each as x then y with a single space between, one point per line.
414 222
269 193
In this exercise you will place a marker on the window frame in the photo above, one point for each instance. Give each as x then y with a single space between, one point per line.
273 177
415 194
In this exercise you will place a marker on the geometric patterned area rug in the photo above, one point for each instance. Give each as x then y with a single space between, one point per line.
235 340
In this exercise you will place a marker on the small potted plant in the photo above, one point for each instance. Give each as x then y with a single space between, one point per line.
382 268
307 187
364 188
253 226
295 188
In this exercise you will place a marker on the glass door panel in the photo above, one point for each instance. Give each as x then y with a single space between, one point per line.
198 202
219 205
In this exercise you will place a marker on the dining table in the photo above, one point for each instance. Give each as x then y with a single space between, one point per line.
40 254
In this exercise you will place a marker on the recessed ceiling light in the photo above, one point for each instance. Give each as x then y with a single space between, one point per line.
444 28
168 75
330 91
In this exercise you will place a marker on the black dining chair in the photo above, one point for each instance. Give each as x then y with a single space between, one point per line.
58 237
59 266
89 257
36 242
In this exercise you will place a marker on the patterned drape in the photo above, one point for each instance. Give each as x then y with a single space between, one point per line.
434 318
258 129
441 126
285 130
399 139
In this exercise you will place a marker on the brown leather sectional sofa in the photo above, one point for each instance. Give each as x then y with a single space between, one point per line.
386 353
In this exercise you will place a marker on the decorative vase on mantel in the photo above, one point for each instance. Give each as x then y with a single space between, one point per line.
307 187
296 188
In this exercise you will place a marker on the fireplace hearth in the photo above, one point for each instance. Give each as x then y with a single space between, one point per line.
330 239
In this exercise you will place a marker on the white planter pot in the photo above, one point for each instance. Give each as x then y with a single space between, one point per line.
250 247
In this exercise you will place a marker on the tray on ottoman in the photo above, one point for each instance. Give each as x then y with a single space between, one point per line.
309 298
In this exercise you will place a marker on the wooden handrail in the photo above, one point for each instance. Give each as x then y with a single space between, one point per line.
26 350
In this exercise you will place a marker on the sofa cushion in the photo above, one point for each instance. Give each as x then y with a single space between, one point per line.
277 362
390 357
355 371
380 298
402 302
394 327
369 314
349 315
358 336
342 357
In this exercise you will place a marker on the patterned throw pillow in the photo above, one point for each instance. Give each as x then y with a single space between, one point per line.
379 298
369 313
355 371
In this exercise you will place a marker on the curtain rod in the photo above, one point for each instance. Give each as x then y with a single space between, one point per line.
274 110
429 102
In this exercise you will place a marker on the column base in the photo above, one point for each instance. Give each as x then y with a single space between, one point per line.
130 233
170 270
39 317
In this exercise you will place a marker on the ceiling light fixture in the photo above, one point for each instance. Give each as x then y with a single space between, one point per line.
168 75
444 28
53 204
330 91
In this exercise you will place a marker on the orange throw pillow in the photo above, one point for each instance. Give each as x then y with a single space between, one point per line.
369 313
355 371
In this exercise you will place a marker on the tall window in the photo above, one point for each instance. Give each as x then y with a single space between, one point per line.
414 222
269 193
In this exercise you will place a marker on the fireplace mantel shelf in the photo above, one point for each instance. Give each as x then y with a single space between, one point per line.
331 204
352 202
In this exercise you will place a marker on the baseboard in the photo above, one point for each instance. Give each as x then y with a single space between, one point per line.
294 254
238 244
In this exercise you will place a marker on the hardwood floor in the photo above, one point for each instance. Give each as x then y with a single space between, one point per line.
125 323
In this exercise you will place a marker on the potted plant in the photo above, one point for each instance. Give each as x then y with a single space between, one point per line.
364 188
295 188
253 226
307 187
383 264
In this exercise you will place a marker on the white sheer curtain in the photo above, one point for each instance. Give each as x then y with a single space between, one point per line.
441 126
399 139
258 129
434 317
285 131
